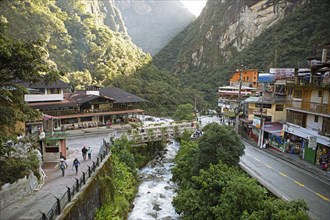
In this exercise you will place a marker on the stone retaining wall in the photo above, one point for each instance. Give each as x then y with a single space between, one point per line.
11 193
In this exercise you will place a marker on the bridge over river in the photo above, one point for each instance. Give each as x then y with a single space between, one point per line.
157 133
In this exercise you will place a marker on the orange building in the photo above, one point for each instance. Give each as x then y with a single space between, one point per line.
249 78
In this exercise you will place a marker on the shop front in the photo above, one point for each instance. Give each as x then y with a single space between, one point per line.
273 133
311 146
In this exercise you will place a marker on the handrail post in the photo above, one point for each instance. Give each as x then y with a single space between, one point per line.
84 177
69 193
43 216
89 171
77 184
58 202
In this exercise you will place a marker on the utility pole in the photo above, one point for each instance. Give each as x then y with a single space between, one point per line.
239 99
261 131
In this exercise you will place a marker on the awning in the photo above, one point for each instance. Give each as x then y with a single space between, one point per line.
274 128
48 117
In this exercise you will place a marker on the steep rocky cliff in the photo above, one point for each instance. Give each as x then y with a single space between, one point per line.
225 28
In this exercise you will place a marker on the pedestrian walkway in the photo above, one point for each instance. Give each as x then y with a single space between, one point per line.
295 160
55 185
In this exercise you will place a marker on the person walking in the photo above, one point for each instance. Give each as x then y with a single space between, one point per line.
84 152
63 165
76 164
89 153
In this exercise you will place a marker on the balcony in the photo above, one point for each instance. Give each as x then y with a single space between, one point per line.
273 99
308 106
308 81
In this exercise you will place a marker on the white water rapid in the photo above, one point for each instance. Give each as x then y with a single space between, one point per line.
156 191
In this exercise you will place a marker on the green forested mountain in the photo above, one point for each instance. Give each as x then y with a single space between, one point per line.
75 38
256 34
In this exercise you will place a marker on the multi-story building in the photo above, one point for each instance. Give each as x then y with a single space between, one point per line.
249 78
268 107
229 97
307 130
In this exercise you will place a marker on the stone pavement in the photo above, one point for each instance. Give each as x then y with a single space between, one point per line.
55 184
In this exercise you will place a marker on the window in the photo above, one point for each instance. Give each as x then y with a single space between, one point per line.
279 107
297 94
52 146
320 93
316 118
53 91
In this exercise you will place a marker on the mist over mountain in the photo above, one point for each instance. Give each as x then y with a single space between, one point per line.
152 24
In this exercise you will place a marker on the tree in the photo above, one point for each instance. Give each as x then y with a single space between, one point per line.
199 198
184 112
241 195
219 142
19 62
184 160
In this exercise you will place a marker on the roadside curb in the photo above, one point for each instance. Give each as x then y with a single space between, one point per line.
314 170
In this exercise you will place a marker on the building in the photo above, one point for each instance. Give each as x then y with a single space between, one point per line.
229 98
94 107
249 78
62 110
269 107
307 130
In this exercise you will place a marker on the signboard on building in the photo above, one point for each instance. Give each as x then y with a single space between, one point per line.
282 73
266 78
312 142
256 122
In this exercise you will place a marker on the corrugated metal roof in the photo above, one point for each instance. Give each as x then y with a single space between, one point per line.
59 84
252 99
120 96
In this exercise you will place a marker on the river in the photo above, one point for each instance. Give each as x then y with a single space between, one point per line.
156 191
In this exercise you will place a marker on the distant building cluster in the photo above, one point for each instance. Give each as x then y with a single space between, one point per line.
285 108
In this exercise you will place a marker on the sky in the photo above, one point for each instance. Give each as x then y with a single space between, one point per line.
194 6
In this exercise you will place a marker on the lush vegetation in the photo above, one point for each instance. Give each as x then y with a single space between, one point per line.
163 91
211 186
27 62
184 112
120 187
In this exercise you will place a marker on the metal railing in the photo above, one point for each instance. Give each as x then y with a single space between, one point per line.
308 106
60 203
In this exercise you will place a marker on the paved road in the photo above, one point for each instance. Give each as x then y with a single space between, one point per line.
288 181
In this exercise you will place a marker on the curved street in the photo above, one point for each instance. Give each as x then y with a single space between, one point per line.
288 181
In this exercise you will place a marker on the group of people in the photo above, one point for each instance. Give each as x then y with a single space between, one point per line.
75 165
